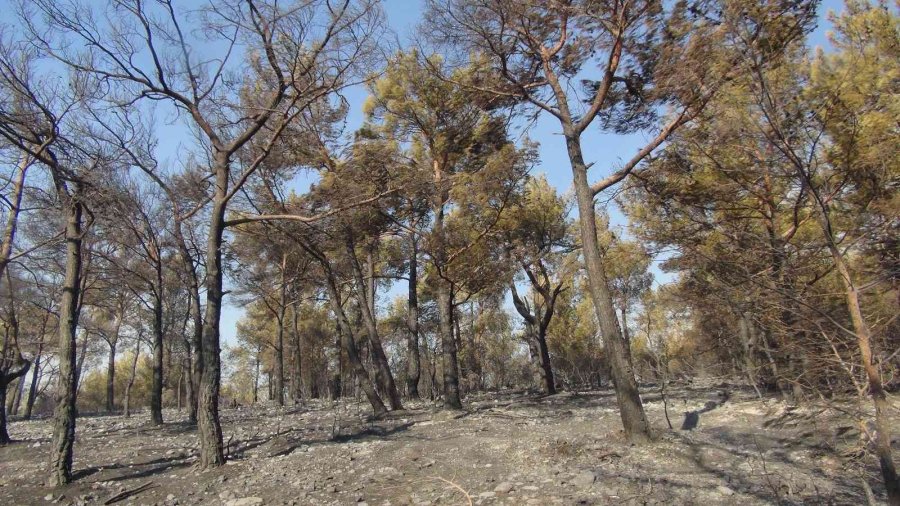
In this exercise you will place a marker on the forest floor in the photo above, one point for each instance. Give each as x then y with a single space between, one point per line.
504 448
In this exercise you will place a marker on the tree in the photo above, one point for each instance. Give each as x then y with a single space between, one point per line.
46 121
777 204
647 57
539 237
297 55
456 145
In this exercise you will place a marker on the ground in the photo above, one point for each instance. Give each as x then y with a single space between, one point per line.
727 447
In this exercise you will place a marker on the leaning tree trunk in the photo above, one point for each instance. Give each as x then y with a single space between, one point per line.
212 450
349 344
366 303
414 371
32 388
876 388
546 366
634 421
64 415
9 234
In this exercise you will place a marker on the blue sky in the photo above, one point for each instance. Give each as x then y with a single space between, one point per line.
606 151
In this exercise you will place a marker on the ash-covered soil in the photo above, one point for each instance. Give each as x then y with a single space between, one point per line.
727 447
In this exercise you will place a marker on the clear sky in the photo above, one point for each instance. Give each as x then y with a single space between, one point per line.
607 151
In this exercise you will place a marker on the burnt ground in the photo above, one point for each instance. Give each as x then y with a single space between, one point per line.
505 448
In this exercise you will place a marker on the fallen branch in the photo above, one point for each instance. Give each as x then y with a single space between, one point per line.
457 487
128 493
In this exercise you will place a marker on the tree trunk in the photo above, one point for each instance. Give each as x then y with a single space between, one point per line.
79 365
131 377
4 433
5 379
195 354
876 388
111 378
64 415
296 363
366 303
279 348
156 391
256 378
35 377
414 370
9 233
546 366
212 450
444 296
634 421
448 346
349 344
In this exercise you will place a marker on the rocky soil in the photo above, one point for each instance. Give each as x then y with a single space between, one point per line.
727 447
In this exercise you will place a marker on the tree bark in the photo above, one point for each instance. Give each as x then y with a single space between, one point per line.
196 341
35 377
876 388
448 346
111 378
296 363
366 302
156 391
279 348
414 368
444 296
64 415
5 379
9 233
349 345
131 378
634 420
212 450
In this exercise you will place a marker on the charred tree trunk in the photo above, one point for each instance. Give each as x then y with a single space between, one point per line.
366 302
32 388
448 346
414 371
212 450
444 295
631 409
111 378
349 344
131 378
111 361
278 387
6 377
296 363
156 391
256 373
64 415
195 346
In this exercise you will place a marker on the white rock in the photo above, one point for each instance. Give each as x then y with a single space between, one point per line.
722 489
245 501
584 479
504 488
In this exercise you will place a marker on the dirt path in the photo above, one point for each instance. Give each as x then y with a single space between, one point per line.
504 449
